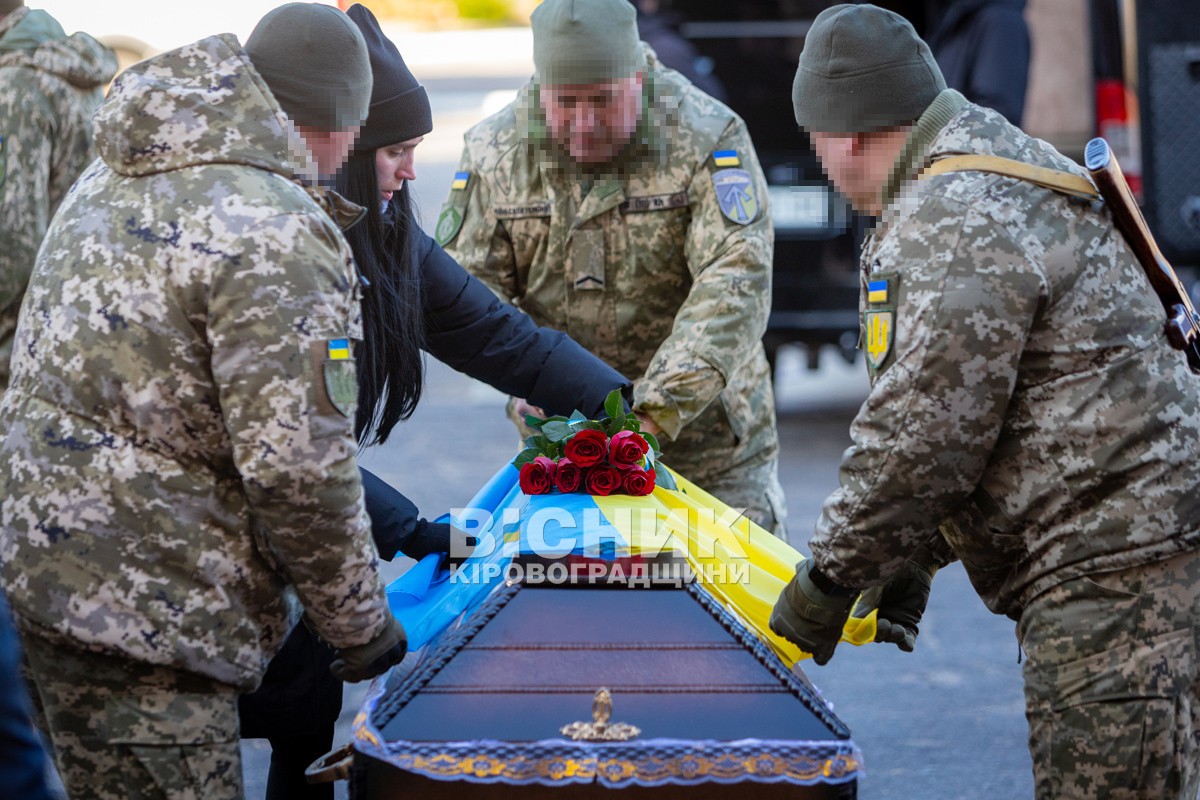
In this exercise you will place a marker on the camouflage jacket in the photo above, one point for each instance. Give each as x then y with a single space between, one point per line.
178 433
1024 395
49 86
637 261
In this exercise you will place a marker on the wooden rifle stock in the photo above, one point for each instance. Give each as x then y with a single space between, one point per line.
1183 324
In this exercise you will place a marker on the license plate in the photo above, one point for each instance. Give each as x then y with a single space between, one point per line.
799 208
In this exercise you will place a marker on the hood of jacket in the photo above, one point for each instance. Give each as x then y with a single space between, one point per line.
201 104
37 41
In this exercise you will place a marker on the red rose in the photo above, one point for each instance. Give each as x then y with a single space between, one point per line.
626 448
567 475
602 480
638 482
586 448
537 477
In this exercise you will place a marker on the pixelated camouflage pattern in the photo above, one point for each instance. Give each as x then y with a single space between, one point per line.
1112 684
121 729
49 86
1030 402
170 458
685 292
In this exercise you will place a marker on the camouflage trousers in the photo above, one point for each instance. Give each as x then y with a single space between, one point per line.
1112 687
122 729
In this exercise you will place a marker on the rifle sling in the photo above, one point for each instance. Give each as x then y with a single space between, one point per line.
1056 180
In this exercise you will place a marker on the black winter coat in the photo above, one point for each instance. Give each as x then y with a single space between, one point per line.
983 49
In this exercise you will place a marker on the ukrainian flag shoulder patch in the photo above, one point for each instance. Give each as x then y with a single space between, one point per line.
460 180
877 291
726 158
339 349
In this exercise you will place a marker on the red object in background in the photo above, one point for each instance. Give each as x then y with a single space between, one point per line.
1118 127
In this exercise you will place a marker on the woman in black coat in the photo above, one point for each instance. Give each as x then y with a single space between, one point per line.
414 298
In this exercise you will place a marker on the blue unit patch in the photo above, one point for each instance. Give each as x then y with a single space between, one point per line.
735 195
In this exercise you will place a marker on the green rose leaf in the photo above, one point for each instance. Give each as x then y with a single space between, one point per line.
534 422
526 456
613 405
662 477
557 430
652 441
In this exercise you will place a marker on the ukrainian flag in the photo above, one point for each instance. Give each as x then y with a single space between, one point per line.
460 180
690 523
877 292
726 158
339 349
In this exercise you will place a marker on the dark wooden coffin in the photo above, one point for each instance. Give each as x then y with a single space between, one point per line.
481 713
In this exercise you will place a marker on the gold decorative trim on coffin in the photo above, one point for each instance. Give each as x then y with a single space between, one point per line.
648 769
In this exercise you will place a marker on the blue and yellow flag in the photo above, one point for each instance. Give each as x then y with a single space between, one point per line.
877 291
460 180
726 158
339 349
742 566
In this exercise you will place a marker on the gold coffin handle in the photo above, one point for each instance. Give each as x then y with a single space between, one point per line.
333 766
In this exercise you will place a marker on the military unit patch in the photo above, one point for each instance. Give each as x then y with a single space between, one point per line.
449 223
341 385
735 195
879 327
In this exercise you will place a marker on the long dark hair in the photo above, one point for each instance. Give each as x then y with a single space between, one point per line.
391 368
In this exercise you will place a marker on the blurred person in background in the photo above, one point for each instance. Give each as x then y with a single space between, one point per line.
50 84
415 298
1027 416
983 49
660 30
178 437
615 201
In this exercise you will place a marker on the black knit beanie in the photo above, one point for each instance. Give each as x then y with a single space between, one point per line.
399 106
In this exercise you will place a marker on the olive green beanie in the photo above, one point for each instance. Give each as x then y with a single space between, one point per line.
580 42
314 60
863 69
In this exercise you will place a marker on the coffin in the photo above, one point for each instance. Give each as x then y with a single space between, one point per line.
609 656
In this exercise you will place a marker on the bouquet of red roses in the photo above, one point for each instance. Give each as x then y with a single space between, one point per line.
610 455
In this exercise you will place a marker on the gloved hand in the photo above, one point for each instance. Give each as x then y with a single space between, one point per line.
362 661
811 612
439 537
901 601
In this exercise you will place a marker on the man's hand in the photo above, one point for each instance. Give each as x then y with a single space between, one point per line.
648 425
354 664
440 537
901 601
812 616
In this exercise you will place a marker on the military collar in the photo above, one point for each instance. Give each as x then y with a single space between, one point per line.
11 20
343 212
945 107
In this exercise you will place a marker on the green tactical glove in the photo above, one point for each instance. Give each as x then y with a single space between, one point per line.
811 612
362 661
901 601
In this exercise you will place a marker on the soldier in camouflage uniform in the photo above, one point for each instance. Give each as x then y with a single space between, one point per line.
1024 398
650 244
50 84
178 443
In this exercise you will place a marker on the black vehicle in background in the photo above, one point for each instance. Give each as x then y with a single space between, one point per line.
1084 82
751 49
